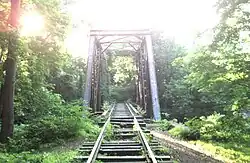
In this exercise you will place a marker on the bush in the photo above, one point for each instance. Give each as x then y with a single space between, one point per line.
220 128
194 125
180 131
207 127
184 132
165 125
64 122
32 104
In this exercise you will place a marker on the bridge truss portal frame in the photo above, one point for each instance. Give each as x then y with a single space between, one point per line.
141 45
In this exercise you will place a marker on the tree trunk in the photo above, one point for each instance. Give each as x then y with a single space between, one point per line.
1 100
8 92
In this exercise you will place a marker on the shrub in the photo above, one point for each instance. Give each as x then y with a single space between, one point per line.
64 122
165 125
194 125
180 131
218 127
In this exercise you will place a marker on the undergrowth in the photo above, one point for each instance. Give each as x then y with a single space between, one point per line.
109 134
64 123
230 152
218 134
38 157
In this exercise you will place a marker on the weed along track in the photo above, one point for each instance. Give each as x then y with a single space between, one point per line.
124 138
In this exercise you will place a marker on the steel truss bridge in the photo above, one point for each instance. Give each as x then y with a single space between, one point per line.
139 44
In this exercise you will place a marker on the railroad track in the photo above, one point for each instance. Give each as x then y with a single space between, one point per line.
130 141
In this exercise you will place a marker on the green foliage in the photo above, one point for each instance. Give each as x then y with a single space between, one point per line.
210 86
47 76
221 128
106 105
180 131
165 125
109 134
24 157
122 93
165 150
61 123
222 68
177 95
70 80
229 152
57 157
122 70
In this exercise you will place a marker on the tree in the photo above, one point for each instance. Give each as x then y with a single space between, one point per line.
9 79
222 69
8 92
37 57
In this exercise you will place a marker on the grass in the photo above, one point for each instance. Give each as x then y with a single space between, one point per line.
41 157
230 152
59 154
56 157
109 134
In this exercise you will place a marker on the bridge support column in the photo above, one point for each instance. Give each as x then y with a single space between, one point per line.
91 51
152 78
97 78
148 103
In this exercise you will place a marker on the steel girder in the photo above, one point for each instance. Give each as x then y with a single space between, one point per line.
146 85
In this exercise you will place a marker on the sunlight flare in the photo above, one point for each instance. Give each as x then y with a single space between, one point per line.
32 24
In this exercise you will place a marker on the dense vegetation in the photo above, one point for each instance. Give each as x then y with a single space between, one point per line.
208 89
49 82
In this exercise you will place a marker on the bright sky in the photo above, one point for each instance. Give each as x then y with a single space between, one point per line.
180 19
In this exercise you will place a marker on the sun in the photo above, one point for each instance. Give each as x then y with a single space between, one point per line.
32 24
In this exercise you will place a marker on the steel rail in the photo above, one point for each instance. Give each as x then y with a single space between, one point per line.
96 148
134 110
141 134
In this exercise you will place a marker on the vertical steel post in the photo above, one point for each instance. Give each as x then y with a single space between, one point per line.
137 80
149 110
143 85
140 81
87 92
98 79
152 77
